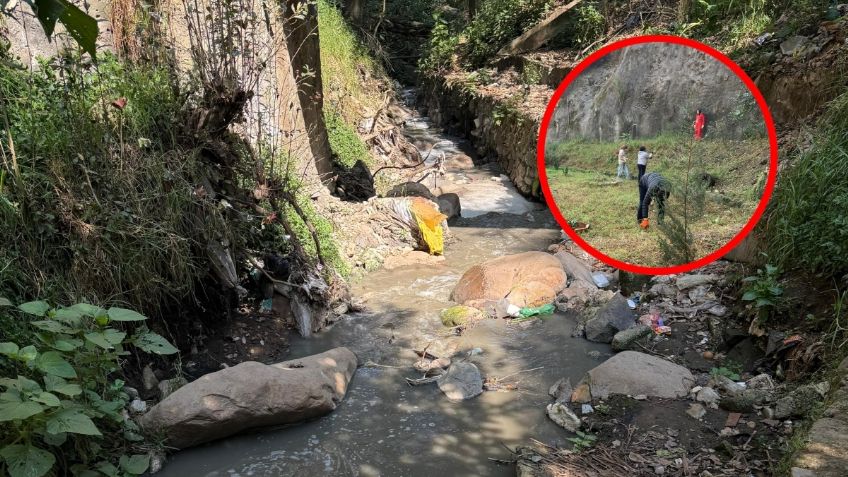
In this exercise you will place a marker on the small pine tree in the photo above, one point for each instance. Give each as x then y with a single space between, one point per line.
676 240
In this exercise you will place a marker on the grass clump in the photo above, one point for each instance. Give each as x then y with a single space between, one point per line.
344 141
346 65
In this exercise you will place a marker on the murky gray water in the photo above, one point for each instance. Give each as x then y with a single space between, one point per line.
385 427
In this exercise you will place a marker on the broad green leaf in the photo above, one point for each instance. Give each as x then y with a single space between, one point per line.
26 385
50 325
107 338
27 461
114 336
55 439
48 399
9 349
69 390
68 315
53 363
5 302
10 411
72 421
37 308
67 345
86 309
136 464
59 385
108 469
776 291
154 343
122 314
764 302
751 295
11 395
28 353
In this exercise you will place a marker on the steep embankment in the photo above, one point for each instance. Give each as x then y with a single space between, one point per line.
645 90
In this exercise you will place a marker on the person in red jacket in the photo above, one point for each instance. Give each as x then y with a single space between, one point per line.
700 122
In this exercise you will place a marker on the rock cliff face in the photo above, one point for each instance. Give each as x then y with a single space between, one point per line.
654 88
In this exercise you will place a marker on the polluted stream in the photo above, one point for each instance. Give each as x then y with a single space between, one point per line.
385 427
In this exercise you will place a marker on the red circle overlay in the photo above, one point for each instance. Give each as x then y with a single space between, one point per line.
758 212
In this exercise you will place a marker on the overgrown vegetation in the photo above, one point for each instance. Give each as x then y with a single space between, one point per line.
344 141
495 24
91 185
64 409
808 216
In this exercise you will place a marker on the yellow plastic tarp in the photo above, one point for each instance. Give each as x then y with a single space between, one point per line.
429 221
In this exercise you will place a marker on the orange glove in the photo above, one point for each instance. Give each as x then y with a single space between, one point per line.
644 224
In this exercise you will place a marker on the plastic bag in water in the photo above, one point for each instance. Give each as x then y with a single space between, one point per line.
540 310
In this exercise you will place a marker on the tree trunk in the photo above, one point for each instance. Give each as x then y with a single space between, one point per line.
355 10
473 6
301 28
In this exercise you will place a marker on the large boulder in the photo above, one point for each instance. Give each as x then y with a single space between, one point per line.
611 318
251 395
576 268
449 205
523 279
633 373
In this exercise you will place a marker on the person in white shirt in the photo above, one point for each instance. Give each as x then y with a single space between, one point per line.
642 160
623 171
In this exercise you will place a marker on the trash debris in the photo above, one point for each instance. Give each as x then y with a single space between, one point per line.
762 39
528 312
586 409
601 280
429 222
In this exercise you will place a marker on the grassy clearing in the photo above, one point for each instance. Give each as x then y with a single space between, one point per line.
583 183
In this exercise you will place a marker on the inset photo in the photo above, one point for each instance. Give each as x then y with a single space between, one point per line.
656 154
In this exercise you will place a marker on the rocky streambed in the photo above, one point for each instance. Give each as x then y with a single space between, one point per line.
464 368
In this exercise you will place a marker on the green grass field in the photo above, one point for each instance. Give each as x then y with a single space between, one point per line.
584 186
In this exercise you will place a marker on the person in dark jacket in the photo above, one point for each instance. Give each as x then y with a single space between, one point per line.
652 186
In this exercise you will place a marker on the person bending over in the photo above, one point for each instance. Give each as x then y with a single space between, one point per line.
652 186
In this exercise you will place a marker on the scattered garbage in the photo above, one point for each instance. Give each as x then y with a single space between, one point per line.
528 312
503 309
762 39
655 320
586 409
600 280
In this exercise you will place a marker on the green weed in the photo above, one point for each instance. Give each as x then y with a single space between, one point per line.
764 292
63 410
